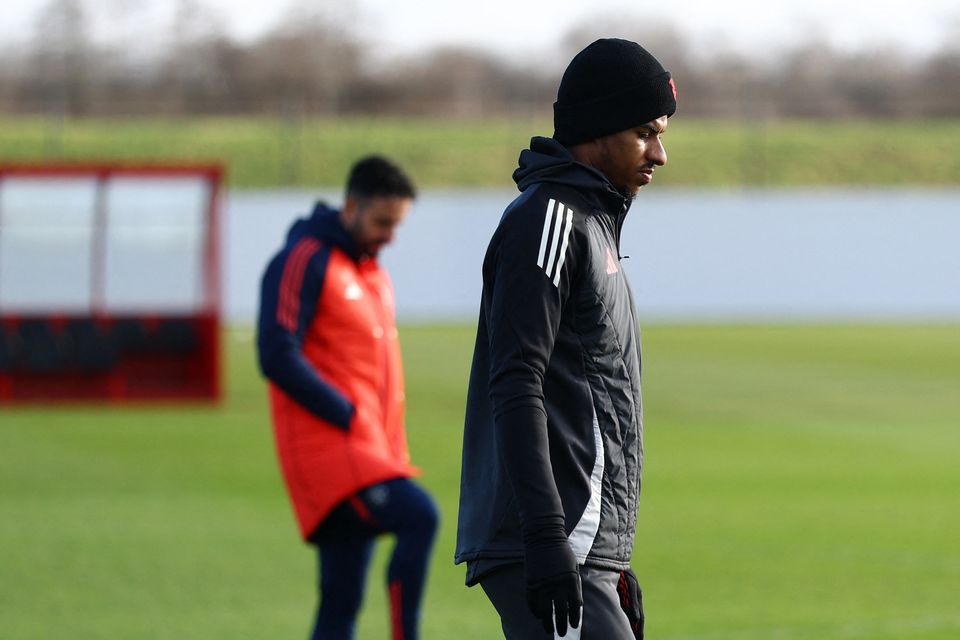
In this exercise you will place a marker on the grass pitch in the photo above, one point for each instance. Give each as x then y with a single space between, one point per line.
801 483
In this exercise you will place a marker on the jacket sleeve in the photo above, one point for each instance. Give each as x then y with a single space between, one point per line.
530 274
290 290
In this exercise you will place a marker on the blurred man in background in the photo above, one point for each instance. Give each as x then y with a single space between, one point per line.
553 441
328 345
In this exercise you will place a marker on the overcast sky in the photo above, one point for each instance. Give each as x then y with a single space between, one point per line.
403 26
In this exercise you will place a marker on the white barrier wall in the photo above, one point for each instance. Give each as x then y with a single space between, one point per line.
789 255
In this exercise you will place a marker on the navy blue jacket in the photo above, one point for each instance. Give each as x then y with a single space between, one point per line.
279 347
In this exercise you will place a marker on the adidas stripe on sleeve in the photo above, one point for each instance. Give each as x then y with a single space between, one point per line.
557 224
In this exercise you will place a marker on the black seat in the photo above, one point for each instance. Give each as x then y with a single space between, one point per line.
41 348
129 334
174 336
8 348
92 348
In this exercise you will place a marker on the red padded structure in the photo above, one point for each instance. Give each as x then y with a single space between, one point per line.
109 283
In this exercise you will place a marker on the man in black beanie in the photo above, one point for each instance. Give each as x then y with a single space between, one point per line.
553 438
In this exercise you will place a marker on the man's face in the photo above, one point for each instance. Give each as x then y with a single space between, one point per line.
628 158
372 222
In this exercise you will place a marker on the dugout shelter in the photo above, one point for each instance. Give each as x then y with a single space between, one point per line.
109 282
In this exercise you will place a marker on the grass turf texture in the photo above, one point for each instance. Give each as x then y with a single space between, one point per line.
801 483
264 152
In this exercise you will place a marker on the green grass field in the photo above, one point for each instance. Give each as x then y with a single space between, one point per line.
265 152
801 483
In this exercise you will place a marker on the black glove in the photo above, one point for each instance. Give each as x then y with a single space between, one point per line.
631 601
553 583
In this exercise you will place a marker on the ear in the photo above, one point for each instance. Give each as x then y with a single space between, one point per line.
349 211
586 152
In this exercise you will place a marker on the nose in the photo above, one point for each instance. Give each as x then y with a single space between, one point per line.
656 152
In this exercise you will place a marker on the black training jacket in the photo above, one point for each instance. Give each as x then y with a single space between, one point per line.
554 427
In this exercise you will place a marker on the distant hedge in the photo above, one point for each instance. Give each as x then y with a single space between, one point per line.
262 152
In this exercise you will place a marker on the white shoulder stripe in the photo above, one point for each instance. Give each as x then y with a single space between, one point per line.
557 224
563 247
547 220
552 256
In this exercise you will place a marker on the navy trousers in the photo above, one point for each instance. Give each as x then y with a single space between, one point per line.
345 544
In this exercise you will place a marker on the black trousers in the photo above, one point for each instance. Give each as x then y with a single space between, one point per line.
602 618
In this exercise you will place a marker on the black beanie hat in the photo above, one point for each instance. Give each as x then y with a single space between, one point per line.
610 86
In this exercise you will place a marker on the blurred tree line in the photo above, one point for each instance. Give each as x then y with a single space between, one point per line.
319 63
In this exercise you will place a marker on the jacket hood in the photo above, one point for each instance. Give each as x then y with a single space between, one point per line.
549 161
324 225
